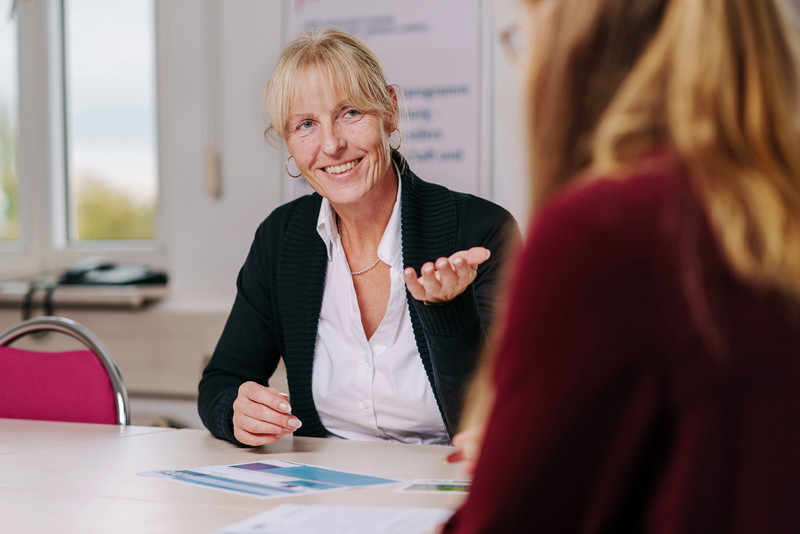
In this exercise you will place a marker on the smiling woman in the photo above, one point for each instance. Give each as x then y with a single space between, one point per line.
341 151
372 349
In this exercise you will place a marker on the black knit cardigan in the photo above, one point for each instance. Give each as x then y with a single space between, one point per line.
279 297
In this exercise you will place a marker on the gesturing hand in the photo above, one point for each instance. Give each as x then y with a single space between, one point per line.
447 278
262 415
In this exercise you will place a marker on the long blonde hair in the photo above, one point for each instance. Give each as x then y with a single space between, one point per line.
714 79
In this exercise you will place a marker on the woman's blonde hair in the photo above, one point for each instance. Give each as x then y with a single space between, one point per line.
714 79
344 61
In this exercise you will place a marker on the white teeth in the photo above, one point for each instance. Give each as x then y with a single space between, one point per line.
339 169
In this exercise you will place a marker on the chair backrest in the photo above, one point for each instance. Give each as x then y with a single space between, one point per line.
77 385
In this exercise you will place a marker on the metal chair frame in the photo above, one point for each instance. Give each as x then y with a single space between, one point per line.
89 340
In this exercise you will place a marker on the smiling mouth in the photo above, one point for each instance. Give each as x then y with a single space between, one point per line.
344 167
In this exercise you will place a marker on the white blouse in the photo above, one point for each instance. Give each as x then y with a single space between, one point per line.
377 388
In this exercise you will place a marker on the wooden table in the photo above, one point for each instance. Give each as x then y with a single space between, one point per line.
73 477
20 435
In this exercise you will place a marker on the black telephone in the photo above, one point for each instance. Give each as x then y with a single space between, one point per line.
97 271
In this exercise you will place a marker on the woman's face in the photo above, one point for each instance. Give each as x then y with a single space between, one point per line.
342 151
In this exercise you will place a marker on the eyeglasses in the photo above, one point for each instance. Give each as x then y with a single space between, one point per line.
513 40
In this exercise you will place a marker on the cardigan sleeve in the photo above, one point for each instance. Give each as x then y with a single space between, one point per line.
456 332
249 347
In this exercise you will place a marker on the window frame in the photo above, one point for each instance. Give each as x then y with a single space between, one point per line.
43 246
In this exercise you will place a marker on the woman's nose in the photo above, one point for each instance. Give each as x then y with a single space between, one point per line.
332 139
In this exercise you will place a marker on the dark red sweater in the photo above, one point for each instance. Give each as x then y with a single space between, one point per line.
641 387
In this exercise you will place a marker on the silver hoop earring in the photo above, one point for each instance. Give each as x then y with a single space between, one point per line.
286 165
399 140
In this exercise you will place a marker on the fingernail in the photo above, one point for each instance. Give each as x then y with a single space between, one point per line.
295 423
488 253
285 407
452 458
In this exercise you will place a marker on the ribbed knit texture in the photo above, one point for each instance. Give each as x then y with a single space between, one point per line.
301 281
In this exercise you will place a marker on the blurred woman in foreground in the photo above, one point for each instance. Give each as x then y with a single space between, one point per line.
648 374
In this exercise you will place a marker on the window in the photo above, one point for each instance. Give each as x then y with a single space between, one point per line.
78 134
110 118
9 131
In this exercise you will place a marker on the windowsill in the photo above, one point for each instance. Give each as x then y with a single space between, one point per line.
13 294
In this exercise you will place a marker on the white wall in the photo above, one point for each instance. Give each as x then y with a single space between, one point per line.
509 167
217 56
216 59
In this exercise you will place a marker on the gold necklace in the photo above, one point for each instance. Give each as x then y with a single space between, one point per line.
362 271
354 273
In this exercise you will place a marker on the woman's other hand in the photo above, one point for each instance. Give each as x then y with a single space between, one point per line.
262 415
447 278
468 443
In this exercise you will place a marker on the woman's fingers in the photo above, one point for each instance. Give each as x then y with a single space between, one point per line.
447 278
468 443
267 421
271 397
262 415
255 439
464 273
256 426
448 275
454 457
431 278
426 284
413 285
474 256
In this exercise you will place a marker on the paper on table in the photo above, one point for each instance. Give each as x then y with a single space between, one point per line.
270 478
309 519
424 485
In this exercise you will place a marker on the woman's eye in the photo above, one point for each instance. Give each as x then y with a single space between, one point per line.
352 113
305 125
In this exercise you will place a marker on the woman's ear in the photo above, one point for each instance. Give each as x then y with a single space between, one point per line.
392 123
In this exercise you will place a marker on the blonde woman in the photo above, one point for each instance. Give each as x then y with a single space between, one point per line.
377 290
648 373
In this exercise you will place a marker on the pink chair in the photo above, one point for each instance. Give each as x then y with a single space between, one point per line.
79 385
